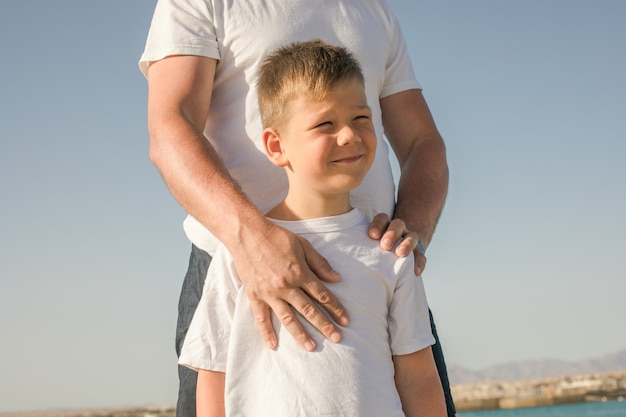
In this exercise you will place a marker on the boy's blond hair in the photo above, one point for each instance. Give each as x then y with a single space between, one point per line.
309 68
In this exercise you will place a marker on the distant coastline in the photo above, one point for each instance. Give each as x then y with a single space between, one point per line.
540 392
541 382
166 411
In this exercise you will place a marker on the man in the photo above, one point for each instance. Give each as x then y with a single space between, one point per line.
201 60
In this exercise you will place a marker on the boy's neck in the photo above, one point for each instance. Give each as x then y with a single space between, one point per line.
310 206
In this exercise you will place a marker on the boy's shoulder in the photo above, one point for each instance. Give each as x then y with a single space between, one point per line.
355 246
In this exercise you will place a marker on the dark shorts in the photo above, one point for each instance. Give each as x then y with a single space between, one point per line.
190 295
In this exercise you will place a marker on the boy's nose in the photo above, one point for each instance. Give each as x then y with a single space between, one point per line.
348 136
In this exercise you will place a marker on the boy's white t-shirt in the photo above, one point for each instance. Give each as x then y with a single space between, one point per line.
389 316
240 34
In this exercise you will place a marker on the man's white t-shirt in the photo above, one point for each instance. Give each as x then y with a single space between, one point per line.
240 34
389 316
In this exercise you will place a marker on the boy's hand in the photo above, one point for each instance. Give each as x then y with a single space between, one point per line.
283 274
392 232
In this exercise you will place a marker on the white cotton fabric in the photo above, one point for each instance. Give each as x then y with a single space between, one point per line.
239 34
389 316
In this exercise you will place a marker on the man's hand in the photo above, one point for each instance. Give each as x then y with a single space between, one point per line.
282 274
394 232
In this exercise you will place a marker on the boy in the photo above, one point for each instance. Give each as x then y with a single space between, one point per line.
317 125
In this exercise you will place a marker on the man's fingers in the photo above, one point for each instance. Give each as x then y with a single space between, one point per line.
378 226
395 234
420 262
409 243
286 315
288 319
396 230
287 283
318 264
318 292
290 322
304 305
263 321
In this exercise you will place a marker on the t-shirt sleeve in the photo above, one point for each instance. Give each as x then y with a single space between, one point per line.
180 27
409 320
399 73
206 342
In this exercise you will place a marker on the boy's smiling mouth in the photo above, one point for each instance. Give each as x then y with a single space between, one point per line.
349 159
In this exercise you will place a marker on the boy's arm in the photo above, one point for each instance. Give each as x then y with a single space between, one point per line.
418 384
278 269
421 153
210 394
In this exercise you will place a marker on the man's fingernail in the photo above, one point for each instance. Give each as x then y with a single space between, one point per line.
344 321
309 346
335 337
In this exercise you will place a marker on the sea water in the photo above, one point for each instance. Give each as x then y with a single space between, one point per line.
595 409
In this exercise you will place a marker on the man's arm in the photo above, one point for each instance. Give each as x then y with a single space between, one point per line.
278 269
421 153
418 384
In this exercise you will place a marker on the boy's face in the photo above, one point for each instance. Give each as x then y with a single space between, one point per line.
329 145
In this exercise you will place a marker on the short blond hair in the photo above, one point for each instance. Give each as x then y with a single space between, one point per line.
311 67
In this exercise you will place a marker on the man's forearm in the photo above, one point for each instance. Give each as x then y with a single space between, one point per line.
197 178
422 188
421 153
180 90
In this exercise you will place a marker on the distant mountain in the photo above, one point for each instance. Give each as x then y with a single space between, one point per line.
537 369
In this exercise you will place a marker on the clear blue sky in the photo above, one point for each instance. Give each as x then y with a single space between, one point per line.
527 262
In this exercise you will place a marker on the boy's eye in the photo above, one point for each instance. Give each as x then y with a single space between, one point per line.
327 123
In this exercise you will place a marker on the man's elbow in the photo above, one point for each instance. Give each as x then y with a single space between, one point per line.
157 146
154 151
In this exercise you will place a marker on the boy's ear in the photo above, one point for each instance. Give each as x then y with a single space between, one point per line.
273 147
